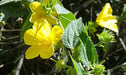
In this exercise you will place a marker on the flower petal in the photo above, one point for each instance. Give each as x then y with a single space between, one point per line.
34 37
56 34
106 19
35 6
46 51
39 23
46 1
33 18
54 13
51 20
110 24
43 26
107 10
32 52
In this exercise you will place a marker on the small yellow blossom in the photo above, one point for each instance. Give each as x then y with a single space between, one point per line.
39 12
106 19
42 37
46 1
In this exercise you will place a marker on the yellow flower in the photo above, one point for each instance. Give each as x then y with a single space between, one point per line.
42 37
46 1
106 19
38 12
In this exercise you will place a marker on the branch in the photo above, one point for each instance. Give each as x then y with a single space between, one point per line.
112 69
120 39
20 63
10 30
10 38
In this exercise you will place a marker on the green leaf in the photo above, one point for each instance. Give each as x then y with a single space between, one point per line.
64 15
76 53
88 51
123 15
65 19
124 68
7 1
26 26
106 36
70 38
83 56
73 33
92 27
108 72
13 9
98 69
78 68
61 10
71 71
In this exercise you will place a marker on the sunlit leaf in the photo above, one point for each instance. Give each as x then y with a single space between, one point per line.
75 32
71 33
61 10
65 19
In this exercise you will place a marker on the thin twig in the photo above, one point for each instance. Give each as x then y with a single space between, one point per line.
16 47
112 69
115 51
11 30
122 35
20 63
10 38
120 39
6 43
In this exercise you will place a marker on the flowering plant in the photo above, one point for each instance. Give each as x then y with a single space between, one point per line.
42 36
54 24
62 37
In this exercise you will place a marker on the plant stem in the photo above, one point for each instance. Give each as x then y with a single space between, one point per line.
120 39
53 59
